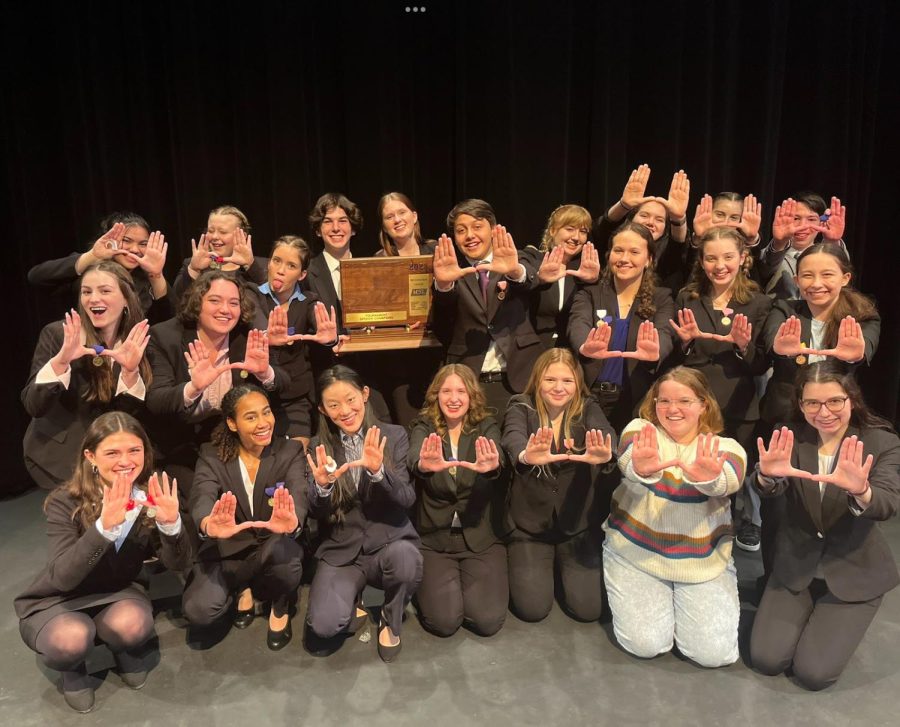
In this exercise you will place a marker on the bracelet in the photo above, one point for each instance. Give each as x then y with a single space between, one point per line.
625 206
863 493
678 223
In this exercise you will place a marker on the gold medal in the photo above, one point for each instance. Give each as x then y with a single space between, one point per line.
801 358
271 502
501 295
151 512
244 374
97 361
726 321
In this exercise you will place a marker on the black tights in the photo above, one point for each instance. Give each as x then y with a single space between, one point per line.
65 640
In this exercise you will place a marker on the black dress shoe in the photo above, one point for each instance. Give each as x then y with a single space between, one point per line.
242 619
276 640
388 653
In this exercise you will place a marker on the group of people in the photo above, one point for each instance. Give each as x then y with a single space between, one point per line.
598 401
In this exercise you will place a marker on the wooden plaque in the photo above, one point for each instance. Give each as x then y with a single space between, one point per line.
386 301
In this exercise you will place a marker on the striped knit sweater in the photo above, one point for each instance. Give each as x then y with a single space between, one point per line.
667 526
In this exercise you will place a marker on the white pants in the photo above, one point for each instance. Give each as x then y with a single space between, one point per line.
651 614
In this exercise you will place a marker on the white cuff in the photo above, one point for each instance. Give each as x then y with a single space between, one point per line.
110 535
170 528
48 376
138 391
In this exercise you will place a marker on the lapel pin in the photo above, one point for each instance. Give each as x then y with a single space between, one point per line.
501 290
726 316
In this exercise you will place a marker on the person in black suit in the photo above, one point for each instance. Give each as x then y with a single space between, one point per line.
196 358
226 245
360 493
565 261
457 460
292 318
839 472
721 315
620 326
112 515
557 437
249 500
89 363
124 237
480 312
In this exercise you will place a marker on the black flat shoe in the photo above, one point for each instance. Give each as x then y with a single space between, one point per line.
277 640
388 653
242 619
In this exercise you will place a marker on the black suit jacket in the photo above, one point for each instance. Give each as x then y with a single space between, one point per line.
283 461
476 498
564 493
60 417
466 326
547 317
730 376
177 435
85 569
639 374
855 557
776 405
318 280
379 515
61 278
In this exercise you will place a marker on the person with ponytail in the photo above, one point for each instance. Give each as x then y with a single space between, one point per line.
360 492
721 315
89 363
249 500
838 471
620 325
557 438
113 514
457 461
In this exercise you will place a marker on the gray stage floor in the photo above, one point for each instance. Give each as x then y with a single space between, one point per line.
557 672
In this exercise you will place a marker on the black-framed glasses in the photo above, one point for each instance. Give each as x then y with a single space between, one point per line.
834 404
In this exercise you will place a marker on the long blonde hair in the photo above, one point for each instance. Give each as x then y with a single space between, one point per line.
574 412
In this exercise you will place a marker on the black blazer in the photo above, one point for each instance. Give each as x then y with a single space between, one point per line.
318 280
730 376
639 375
547 317
60 417
564 493
84 569
61 278
256 273
776 405
379 515
466 327
282 461
177 436
475 497
855 557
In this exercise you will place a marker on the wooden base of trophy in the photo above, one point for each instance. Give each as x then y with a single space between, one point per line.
388 339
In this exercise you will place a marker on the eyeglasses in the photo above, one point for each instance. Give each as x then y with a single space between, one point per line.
834 405
682 403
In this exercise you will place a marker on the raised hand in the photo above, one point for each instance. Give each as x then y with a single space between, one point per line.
128 353
647 345
776 460
552 268
635 187
446 266
109 243
319 468
787 339
686 328
431 455
165 498
242 251
645 453
256 357
708 462
679 193
538 449
72 348
597 450
220 521
276 330
589 268
153 259
505 258
703 216
850 473
115 502
751 218
783 225
326 326
740 334
487 457
341 340
833 228
373 450
200 255
850 347
596 345
201 367
284 515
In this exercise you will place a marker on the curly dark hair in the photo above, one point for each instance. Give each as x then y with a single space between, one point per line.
189 311
227 442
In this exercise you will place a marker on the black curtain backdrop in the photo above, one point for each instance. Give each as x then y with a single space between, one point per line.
172 108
